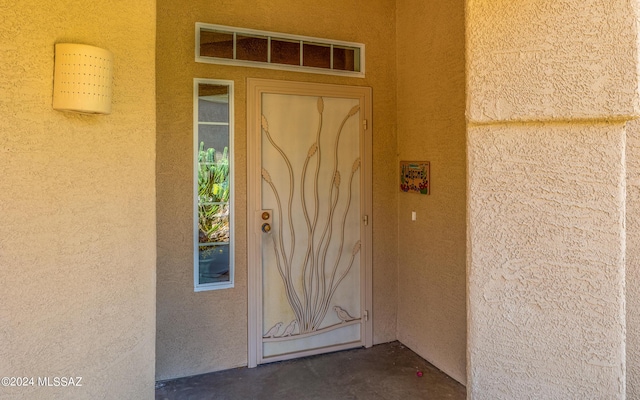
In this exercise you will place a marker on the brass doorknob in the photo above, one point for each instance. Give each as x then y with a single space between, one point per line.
266 228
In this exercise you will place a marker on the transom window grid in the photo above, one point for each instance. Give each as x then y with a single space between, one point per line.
220 44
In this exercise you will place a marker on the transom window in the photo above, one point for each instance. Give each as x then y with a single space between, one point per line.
219 44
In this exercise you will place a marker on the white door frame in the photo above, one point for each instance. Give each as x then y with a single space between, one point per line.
255 88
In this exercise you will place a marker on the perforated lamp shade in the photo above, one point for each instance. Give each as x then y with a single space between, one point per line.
82 79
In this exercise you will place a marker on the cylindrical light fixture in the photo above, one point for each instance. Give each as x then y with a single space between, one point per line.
82 79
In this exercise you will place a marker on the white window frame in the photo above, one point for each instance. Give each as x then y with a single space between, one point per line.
198 287
276 35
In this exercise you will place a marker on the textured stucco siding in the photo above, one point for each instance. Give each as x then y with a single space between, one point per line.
633 259
431 127
77 206
551 85
546 261
207 331
552 59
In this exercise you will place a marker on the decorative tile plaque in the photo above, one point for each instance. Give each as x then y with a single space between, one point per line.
414 177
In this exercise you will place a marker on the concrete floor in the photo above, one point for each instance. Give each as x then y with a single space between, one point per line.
387 371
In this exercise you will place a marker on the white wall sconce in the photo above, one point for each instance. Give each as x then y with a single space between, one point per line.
82 79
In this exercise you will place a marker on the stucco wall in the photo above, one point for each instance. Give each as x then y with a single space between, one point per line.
633 259
207 331
431 126
552 59
77 201
546 223
546 273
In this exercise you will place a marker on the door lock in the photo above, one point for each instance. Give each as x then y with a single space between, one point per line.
264 220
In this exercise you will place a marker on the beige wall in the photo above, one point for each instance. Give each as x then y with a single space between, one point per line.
551 60
633 259
77 236
431 126
546 261
546 229
207 331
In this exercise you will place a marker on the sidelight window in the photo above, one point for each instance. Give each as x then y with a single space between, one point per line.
213 184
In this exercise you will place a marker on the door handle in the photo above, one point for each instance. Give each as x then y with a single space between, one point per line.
266 228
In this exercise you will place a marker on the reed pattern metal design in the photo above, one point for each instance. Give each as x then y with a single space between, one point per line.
311 298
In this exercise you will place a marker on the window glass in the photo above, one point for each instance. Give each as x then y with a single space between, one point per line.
344 58
251 48
216 44
285 52
315 55
213 103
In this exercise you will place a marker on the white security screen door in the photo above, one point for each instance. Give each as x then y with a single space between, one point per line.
309 205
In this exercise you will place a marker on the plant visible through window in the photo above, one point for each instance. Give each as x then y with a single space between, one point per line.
213 198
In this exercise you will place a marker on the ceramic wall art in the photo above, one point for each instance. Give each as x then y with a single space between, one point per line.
414 177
